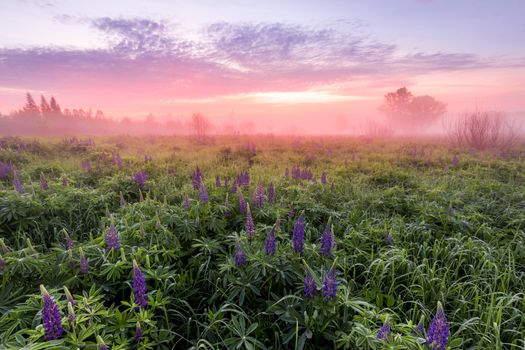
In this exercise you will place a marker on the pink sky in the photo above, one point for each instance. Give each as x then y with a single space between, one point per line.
284 67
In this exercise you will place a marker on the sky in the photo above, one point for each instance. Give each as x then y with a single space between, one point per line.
297 65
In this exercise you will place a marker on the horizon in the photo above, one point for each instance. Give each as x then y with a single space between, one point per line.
296 68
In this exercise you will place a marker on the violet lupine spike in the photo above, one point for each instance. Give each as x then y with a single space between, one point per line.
139 287
327 241
203 193
259 196
84 265
112 238
323 178
69 242
384 332
240 257
250 226
70 313
271 193
140 178
234 187
270 243
438 332
69 296
298 236
17 184
43 182
5 169
242 204
196 178
330 285
138 333
310 286
419 330
389 240
51 317
217 181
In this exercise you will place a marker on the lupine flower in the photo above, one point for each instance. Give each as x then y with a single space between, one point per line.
148 158
242 204
84 263
388 238
139 287
186 201
196 178
51 317
323 178
112 239
384 332
234 187
455 160
438 332
240 257
330 285
138 333
5 169
217 181
70 313
259 196
69 242
101 344
117 160
69 297
298 236
270 244
420 328
250 227
309 286
140 179
203 193
271 193
17 184
327 241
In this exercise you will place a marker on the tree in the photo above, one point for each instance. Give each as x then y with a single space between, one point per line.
412 112
55 107
30 107
199 125
44 106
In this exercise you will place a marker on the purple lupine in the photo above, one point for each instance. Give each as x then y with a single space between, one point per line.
455 160
298 236
330 285
259 196
51 317
242 204
139 287
438 332
389 240
240 257
327 241
217 181
86 166
323 178
84 264
196 178
117 160
270 244
112 239
186 201
309 286
271 193
69 242
70 313
17 184
384 332
250 226
5 169
69 296
203 193
138 333
234 187
140 178
419 330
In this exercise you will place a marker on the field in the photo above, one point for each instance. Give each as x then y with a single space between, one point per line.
353 248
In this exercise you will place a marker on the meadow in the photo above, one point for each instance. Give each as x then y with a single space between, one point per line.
260 243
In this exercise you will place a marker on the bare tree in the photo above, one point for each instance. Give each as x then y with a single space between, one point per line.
199 125
483 130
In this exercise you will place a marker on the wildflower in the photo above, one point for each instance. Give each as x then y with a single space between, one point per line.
323 178
384 332
217 181
259 196
84 263
51 317
327 241
17 184
298 236
203 193
271 193
69 242
138 333
196 178
309 286
5 169
70 313
140 179
242 204
101 344
234 187
240 257
43 182
69 297
330 285
438 332
388 238
250 227
420 328
112 239
270 244
139 287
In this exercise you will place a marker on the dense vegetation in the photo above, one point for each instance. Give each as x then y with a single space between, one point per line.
413 224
